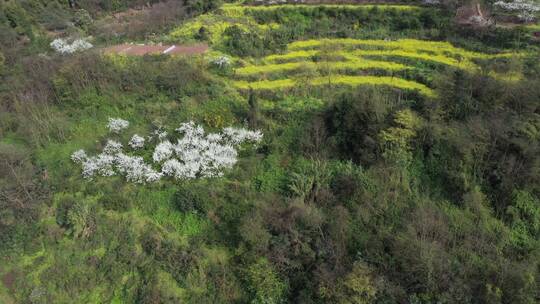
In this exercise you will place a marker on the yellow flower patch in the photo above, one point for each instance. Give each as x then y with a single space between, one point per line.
339 80
234 9
355 64
437 47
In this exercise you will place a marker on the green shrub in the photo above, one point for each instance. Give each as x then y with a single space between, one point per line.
264 284
202 6
525 221
64 206
188 199
242 43
358 286
82 19
115 201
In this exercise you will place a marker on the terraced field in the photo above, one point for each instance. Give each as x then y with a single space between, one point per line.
245 17
358 62
399 62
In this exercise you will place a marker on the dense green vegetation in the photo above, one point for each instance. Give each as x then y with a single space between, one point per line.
371 192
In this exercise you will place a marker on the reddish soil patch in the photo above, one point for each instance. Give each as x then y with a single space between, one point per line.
9 280
139 50
193 49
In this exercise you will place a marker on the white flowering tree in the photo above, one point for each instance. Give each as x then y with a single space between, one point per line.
136 142
221 61
117 125
431 2
194 155
63 46
526 10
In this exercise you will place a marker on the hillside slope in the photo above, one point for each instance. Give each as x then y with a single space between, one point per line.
287 153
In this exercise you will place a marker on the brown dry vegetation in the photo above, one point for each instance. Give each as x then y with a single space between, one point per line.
142 22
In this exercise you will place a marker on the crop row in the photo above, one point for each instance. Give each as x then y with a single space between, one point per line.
436 47
235 10
338 80
247 18
387 55
350 64
337 56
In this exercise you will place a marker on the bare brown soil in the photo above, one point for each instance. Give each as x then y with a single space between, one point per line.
141 22
473 15
9 280
139 50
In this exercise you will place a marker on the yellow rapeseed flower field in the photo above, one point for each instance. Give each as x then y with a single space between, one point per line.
356 64
232 9
342 55
436 47
339 80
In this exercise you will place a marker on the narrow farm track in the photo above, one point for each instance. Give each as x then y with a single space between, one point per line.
141 49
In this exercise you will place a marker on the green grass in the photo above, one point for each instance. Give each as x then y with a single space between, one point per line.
5 298
156 205
533 27
293 55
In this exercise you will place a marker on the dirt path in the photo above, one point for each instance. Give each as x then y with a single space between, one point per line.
139 50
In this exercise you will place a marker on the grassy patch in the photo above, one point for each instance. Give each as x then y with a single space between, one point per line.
156 205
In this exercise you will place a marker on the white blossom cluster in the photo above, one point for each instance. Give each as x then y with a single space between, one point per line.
112 147
63 47
236 136
526 9
116 125
136 142
112 161
431 2
221 61
158 133
79 156
195 155
101 164
135 169
200 155
163 151
273 2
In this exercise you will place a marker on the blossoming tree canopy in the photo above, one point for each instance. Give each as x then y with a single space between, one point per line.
116 125
221 61
194 155
526 9
136 142
63 46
